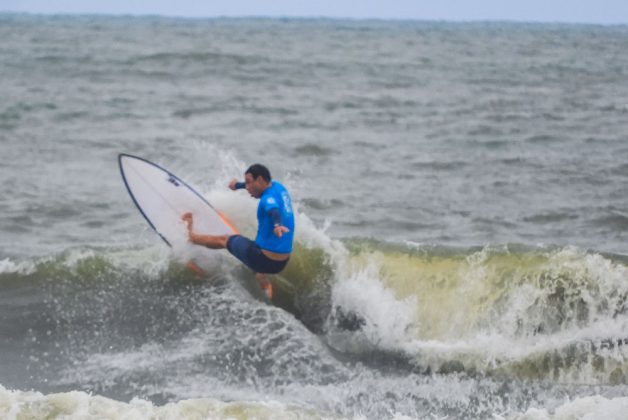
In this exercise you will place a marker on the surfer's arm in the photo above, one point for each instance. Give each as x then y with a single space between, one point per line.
235 185
275 216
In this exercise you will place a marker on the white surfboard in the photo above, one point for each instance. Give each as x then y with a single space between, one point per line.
163 198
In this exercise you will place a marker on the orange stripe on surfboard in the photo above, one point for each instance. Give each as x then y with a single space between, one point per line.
227 222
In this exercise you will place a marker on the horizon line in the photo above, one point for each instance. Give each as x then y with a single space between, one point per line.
306 17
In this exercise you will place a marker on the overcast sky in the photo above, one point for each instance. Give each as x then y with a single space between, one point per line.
571 11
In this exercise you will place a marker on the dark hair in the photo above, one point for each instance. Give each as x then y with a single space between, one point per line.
256 170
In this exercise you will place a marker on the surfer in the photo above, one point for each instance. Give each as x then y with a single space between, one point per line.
270 252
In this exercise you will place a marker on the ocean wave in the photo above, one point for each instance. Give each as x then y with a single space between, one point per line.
558 315
529 313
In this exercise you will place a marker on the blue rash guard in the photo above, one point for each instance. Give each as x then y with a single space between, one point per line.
275 207
275 197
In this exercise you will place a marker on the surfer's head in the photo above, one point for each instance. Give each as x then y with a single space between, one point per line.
257 179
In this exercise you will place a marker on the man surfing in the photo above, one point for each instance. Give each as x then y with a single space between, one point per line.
270 252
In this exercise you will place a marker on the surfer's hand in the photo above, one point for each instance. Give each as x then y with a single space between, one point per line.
232 184
280 230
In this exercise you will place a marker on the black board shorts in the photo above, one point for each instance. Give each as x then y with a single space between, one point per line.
252 256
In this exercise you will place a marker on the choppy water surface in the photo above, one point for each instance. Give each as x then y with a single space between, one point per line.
462 219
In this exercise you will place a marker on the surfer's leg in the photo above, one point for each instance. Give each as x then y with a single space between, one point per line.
210 241
252 256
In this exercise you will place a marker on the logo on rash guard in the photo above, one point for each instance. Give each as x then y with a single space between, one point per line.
286 202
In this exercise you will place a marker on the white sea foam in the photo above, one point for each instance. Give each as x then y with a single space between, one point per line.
586 408
389 322
22 267
25 405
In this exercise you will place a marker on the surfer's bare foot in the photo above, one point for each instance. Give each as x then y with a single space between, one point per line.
189 221
264 284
